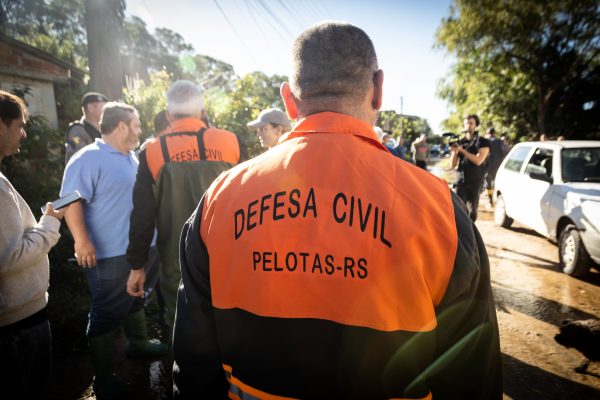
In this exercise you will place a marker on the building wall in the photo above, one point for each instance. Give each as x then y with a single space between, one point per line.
16 61
40 100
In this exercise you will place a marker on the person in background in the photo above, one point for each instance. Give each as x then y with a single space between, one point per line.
420 151
175 170
161 123
390 143
494 160
468 157
328 268
87 129
270 125
25 339
401 148
104 173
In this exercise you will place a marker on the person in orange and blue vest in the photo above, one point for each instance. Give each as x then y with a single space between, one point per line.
313 275
175 170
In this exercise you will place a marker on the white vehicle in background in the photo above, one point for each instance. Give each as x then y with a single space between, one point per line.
554 189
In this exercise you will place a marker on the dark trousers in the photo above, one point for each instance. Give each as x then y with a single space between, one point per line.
421 164
108 286
469 194
25 362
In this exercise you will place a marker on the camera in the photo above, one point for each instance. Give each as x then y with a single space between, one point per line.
452 139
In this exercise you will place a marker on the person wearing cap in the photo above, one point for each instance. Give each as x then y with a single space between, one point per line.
270 125
87 129
308 273
175 170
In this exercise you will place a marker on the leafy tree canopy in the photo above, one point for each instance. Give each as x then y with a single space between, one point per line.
407 126
525 66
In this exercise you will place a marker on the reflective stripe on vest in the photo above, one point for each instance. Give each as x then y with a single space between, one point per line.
238 390
207 144
329 225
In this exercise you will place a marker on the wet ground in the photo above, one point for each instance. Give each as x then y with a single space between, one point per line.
532 299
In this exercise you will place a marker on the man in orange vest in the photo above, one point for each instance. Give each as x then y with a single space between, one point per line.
175 170
307 273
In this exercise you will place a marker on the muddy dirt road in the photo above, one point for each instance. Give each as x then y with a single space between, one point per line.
532 299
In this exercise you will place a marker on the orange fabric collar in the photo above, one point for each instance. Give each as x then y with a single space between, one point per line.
186 125
330 122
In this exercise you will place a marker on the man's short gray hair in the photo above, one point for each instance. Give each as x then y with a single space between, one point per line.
114 112
332 61
184 99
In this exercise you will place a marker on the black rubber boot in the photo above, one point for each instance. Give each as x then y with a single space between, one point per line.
106 384
137 334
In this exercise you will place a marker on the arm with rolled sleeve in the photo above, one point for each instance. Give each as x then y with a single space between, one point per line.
20 246
197 369
81 176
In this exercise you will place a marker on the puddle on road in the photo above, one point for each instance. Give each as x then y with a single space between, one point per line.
157 377
541 308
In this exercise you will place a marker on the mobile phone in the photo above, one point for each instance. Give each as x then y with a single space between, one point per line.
64 201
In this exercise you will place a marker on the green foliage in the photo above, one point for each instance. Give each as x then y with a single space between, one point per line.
149 98
407 126
56 26
251 94
524 66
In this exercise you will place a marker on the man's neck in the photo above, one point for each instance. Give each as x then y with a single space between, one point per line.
471 134
95 124
113 142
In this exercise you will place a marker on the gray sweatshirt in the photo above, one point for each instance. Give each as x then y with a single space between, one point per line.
24 246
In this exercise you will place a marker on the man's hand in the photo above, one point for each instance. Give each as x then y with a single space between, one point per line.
85 253
53 213
135 282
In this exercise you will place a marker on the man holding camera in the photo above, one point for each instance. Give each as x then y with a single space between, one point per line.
469 156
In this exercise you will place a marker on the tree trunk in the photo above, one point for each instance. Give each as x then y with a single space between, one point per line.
541 109
103 20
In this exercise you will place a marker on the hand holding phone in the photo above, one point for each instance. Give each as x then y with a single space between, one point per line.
49 210
64 201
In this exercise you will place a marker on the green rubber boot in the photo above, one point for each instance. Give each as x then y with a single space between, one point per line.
106 384
137 334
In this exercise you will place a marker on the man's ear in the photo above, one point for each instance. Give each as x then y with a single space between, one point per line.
289 100
377 99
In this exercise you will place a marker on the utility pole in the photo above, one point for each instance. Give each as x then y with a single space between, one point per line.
401 117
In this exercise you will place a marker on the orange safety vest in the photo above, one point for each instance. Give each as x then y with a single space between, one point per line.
190 140
366 240
379 234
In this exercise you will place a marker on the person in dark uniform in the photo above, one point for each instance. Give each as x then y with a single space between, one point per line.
469 155
87 129
497 153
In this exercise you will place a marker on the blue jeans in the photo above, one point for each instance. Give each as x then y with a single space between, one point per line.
108 287
25 362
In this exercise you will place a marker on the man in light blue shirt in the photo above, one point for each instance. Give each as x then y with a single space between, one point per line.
104 174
